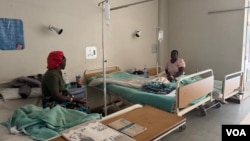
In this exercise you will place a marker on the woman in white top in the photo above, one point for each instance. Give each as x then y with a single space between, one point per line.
175 66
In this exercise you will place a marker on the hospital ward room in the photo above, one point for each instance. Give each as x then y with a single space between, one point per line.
115 70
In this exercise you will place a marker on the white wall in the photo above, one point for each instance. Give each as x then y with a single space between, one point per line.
203 40
163 25
81 21
207 40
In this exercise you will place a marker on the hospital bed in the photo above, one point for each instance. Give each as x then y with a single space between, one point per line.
225 90
229 87
196 92
158 123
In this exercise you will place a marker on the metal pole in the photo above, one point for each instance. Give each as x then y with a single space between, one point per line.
127 5
103 49
103 63
102 2
157 50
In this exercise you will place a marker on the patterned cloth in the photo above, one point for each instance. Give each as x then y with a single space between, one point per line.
158 87
49 102
162 86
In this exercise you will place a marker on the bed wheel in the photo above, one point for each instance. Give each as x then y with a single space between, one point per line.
203 110
203 113
218 104
182 128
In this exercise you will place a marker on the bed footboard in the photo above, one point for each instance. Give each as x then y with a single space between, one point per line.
231 85
93 72
201 89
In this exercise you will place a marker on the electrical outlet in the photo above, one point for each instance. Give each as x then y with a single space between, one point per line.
91 52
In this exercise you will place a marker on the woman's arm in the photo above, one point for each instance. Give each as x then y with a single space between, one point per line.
169 76
182 65
180 72
167 73
172 77
70 98
59 97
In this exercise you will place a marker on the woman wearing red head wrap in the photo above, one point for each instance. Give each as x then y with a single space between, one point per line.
54 59
53 85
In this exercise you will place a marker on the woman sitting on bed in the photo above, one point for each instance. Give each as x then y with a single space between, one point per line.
175 66
53 85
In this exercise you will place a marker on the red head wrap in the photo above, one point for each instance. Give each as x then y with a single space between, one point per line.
54 59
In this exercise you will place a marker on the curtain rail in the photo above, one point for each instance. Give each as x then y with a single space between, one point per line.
229 10
127 5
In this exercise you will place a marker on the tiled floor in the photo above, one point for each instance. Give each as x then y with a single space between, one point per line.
208 128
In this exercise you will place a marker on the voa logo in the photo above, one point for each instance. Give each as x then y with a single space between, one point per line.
236 132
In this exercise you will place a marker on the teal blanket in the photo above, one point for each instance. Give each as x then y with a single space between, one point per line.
42 124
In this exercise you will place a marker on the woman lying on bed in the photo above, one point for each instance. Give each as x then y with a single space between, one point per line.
53 85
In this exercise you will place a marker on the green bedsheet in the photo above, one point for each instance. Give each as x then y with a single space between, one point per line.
141 97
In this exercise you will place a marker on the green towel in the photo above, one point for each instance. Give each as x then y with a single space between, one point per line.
42 124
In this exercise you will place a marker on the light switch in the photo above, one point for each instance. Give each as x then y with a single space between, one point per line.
91 52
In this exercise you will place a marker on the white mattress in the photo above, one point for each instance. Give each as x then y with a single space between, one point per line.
12 93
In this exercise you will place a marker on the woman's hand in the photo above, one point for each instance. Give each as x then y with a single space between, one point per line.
170 78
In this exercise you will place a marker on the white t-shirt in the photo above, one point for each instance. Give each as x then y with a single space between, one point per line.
173 68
